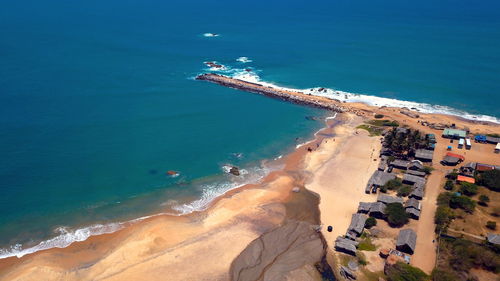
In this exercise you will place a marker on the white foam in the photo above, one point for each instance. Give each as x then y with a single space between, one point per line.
63 240
209 34
244 59
214 190
367 99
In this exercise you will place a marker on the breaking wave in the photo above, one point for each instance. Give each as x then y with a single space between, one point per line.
209 34
252 76
244 59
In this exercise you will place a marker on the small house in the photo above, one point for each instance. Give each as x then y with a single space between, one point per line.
424 155
386 199
364 207
484 167
416 165
493 238
416 173
461 178
450 161
454 133
417 193
431 138
412 179
378 179
357 223
406 242
400 164
413 213
493 140
497 148
346 245
468 169
413 203
377 210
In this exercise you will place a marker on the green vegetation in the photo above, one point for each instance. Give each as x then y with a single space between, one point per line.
458 256
427 169
453 175
378 116
405 272
396 214
370 222
466 255
394 184
490 179
469 189
443 275
443 217
483 200
366 245
444 198
462 202
404 190
374 131
491 225
404 143
449 185
381 123
361 258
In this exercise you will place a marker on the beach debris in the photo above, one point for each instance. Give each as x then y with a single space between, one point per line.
296 189
173 174
330 228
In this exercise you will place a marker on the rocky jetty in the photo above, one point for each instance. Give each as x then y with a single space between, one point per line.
282 94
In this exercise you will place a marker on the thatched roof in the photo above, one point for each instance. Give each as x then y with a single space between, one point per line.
386 199
413 179
407 240
424 154
357 223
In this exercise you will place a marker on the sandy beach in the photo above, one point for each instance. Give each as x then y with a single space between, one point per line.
243 235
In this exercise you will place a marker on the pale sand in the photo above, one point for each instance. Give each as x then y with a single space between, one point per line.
341 180
202 246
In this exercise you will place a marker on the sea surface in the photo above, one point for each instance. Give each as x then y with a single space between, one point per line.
98 100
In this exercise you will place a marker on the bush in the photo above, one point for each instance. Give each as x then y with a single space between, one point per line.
443 217
378 116
466 255
491 179
396 214
462 202
404 190
405 272
370 222
444 198
453 175
366 245
469 189
427 169
483 200
387 123
449 185
491 225
361 258
442 275
393 184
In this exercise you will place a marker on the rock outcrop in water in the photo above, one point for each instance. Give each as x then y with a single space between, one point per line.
273 92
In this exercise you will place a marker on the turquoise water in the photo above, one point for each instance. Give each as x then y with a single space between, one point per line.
97 99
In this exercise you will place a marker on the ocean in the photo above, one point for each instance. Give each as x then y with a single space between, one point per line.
98 99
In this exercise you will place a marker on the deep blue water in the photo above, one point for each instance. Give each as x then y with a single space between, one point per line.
97 99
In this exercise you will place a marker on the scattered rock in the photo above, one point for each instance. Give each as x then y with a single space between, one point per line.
235 171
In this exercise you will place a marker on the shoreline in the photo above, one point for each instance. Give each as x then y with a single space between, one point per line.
276 185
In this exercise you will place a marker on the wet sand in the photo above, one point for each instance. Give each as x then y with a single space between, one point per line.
204 245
